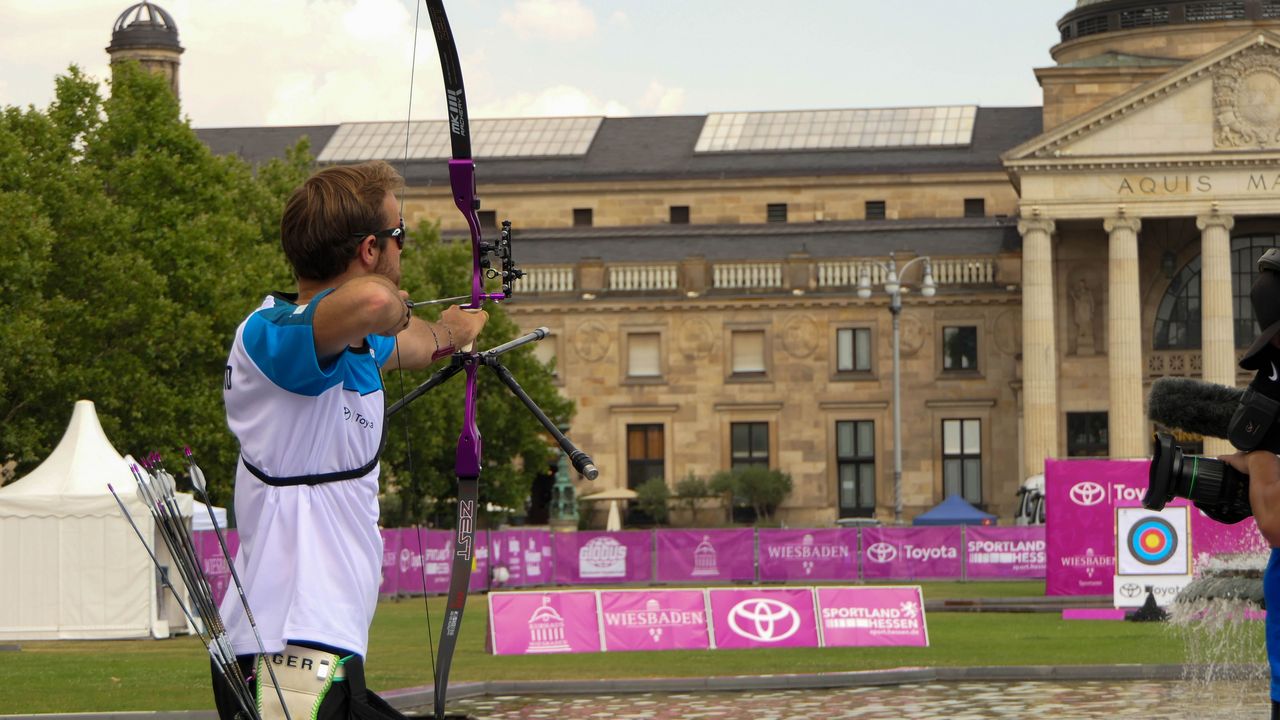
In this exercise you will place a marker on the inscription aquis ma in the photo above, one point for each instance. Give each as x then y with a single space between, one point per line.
1153 185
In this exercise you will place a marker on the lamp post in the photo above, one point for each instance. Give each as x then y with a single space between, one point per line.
893 287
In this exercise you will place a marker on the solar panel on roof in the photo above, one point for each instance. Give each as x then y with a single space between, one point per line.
429 139
837 129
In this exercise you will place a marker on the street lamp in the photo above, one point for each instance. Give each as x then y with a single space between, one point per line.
893 287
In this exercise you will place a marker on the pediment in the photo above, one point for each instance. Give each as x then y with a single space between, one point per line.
1225 103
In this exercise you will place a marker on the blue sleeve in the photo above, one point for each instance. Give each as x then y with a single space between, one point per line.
281 342
383 347
1271 594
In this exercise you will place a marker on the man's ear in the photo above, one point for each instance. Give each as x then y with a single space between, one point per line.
367 252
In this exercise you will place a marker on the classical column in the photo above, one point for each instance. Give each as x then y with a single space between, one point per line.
1217 326
1126 421
1039 349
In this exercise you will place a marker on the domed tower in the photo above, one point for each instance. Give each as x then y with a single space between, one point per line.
146 33
1112 46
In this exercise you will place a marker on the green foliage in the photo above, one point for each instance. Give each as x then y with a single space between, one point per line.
121 229
690 490
763 489
131 253
652 496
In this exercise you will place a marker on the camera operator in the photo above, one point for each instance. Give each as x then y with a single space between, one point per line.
1263 466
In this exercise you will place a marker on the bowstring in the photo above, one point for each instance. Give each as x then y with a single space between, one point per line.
404 166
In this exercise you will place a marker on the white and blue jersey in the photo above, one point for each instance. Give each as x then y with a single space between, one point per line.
306 493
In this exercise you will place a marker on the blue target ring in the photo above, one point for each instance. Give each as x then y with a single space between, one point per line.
1153 540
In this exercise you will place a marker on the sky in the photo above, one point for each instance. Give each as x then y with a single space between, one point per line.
308 62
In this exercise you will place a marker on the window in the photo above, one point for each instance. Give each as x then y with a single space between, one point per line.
545 351
750 444
582 217
960 348
1178 317
776 212
748 352
875 209
853 350
975 207
1087 434
856 467
644 454
679 214
488 219
962 459
644 358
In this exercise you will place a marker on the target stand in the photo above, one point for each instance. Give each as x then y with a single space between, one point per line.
1153 555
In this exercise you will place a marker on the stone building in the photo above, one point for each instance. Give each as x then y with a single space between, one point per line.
699 273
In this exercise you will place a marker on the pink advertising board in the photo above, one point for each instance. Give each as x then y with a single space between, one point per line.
911 553
583 558
212 561
526 554
532 623
763 617
390 562
807 555
706 556
1004 552
654 620
872 616
1081 497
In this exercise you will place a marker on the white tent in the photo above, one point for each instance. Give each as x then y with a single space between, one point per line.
71 567
200 516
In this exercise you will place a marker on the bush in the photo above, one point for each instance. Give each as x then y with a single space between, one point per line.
689 490
761 488
652 498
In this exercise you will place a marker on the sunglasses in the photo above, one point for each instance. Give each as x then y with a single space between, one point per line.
395 233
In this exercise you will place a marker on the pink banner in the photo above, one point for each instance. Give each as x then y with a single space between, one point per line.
805 555
523 623
603 557
212 561
872 617
763 617
706 555
654 620
526 554
911 553
1004 552
1081 497
480 568
390 563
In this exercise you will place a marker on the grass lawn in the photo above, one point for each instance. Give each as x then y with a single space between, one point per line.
74 676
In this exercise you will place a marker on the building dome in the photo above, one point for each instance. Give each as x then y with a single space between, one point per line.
1092 17
144 25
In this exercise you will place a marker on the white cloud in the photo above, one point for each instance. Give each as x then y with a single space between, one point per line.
661 100
555 101
551 19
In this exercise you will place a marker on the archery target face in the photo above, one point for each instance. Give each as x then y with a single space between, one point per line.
1152 543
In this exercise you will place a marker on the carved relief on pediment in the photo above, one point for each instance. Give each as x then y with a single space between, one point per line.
1246 100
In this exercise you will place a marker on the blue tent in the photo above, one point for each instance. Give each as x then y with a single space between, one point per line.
955 510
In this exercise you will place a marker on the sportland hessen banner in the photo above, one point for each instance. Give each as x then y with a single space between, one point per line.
698 619
1081 498
535 557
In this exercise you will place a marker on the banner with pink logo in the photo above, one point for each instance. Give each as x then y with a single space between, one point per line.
1004 552
414 563
1081 497
911 553
390 562
603 557
480 568
763 617
872 616
654 620
212 561
829 554
706 555
524 623
526 554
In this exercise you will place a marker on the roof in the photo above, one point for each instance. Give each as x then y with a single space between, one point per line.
662 148
955 510
861 238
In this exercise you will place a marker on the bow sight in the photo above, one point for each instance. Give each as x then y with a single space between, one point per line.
507 269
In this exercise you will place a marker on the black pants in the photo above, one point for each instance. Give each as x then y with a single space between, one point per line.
346 700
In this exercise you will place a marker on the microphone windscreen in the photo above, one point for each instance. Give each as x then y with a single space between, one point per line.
1199 407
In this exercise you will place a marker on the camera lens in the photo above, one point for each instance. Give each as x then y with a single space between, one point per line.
1214 486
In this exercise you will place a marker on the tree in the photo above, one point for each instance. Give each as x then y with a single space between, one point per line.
652 496
761 488
690 490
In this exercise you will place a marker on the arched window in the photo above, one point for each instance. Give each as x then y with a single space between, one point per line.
1178 318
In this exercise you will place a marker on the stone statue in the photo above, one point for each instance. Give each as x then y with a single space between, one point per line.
1082 312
